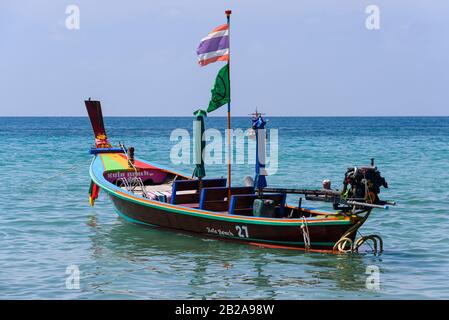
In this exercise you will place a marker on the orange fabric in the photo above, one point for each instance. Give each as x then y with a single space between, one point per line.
220 58
220 28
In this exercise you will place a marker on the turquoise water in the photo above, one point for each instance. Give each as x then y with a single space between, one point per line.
46 223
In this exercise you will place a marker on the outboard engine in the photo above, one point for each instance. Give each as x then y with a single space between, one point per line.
363 184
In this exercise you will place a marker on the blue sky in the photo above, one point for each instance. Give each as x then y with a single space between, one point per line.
302 58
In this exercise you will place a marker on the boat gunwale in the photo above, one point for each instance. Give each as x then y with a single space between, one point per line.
97 175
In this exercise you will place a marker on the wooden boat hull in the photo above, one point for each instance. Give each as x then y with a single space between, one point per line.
257 232
268 232
324 232
110 167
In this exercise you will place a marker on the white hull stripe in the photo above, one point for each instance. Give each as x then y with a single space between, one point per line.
216 35
213 54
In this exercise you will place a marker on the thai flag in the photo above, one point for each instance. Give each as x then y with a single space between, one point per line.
214 47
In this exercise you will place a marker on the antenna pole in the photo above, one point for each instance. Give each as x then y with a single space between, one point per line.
228 17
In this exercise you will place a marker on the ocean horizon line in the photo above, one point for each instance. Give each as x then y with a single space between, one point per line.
224 116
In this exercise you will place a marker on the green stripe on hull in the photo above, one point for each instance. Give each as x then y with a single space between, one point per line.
124 216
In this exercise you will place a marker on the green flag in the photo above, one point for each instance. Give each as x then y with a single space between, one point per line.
220 91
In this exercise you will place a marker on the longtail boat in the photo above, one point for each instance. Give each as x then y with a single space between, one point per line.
154 195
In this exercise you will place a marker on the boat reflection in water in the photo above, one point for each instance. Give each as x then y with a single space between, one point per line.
176 266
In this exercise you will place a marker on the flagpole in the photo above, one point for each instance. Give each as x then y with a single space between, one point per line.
228 17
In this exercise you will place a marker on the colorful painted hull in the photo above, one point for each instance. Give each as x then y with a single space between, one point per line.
324 231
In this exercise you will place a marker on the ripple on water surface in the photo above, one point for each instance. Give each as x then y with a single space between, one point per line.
46 223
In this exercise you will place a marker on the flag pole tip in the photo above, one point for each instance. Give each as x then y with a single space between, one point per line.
228 12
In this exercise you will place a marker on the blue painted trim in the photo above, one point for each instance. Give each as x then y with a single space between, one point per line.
255 196
173 193
178 182
232 204
95 151
202 197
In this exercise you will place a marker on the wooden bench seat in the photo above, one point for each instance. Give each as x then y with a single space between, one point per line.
186 191
216 198
242 204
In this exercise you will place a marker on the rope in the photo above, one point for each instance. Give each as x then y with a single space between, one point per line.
341 244
361 236
305 233
66 170
345 238
127 158
375 239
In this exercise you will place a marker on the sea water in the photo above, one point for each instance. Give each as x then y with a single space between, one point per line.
48 229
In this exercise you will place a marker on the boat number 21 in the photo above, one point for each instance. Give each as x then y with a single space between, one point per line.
242 231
